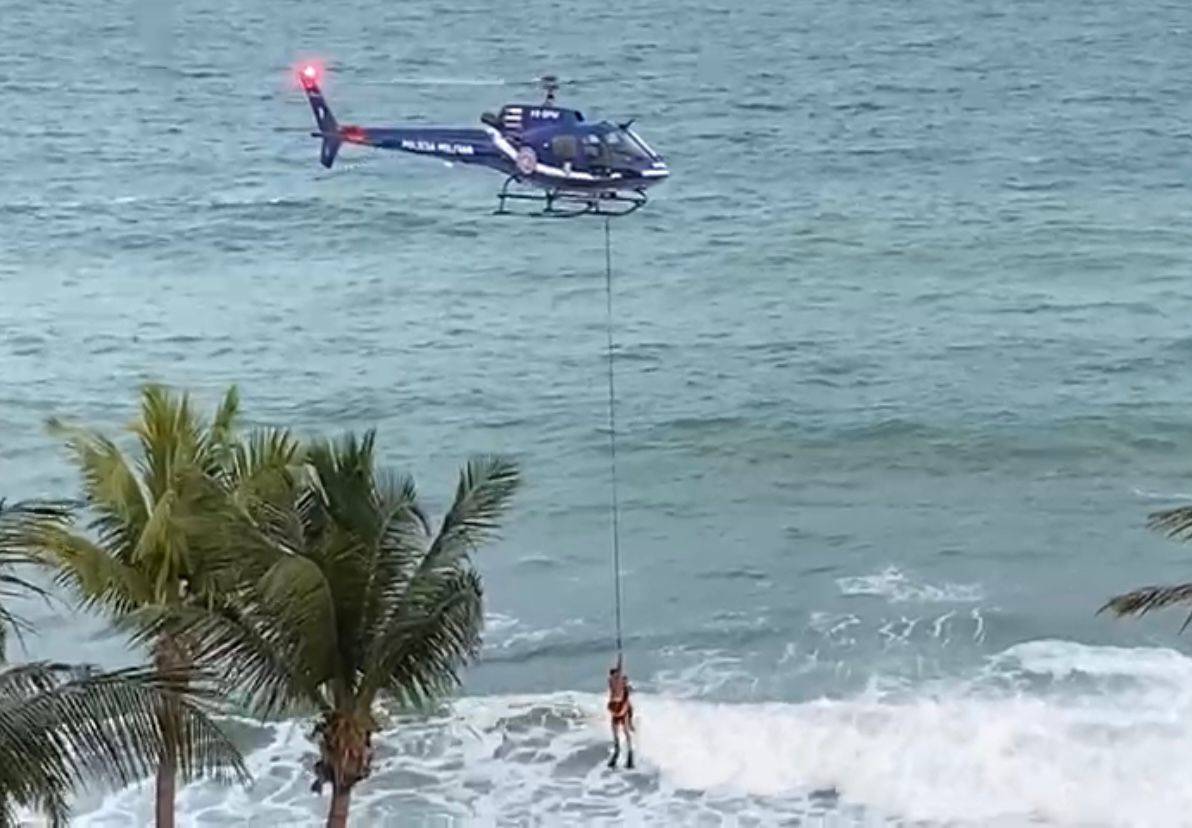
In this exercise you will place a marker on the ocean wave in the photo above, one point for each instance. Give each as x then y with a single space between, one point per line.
1144 494
962 753
893 584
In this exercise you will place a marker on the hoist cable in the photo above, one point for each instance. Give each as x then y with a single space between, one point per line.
612 432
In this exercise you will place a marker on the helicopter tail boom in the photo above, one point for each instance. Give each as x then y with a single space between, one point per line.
329 129
463 145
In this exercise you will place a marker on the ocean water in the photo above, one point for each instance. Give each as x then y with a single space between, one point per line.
903 362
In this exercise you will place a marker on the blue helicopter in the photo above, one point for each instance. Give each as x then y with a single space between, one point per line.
549 154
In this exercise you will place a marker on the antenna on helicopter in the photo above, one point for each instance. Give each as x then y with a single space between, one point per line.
550 85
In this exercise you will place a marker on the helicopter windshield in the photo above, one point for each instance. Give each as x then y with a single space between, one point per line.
612 144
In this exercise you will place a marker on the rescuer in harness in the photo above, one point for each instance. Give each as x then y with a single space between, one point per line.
620 711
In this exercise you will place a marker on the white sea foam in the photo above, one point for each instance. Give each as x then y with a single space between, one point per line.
1102 739
894 584
1145 494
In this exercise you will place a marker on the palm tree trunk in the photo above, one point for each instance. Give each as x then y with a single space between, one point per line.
168 658
167 779
341 798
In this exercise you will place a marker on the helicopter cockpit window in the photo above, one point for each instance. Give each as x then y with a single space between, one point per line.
622 147
564 147
593 148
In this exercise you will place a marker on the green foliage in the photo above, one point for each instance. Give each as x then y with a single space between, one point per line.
158 531
356 593
19 522
305 578
1172 523
159 534
353 594
63 726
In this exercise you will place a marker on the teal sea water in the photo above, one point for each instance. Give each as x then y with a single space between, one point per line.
903 363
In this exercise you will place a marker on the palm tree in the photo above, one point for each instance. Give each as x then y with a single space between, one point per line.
159 536
63 725
1173 523
355 598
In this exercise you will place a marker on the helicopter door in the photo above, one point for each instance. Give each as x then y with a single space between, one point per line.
596 155
564 148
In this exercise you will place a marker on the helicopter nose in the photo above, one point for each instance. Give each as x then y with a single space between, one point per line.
657 170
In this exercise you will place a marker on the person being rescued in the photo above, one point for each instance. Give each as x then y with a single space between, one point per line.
620 711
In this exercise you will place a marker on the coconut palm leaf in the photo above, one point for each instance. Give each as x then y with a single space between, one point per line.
395 557
171 534
485 489
1147 599
440 599
97 578
346 486
20 518
20 524
419 655
165 533
171 436
264 467
296 593
221 437
1173 523
486 486
352 595
111 491
257 663
62 726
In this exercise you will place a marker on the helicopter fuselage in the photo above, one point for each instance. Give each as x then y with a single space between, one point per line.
545 146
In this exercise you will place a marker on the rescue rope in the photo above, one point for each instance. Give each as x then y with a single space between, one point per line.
612 430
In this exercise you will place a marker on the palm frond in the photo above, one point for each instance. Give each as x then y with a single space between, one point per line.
418 656
396 555
62 725
297 597
25 680
1147 599
344 474
96 577
114 718
171 436
22 525
20 519
1172 523
432 615
157 547
397 503
485 489
265 468
111 490
345 524
258 662
212 542
220 439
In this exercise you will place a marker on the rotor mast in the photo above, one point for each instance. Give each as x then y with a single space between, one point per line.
550 85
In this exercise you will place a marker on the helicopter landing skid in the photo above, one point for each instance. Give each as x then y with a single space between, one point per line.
568 204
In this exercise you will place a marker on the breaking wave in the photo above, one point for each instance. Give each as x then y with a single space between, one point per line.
1047 732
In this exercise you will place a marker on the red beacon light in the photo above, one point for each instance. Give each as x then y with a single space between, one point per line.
309 74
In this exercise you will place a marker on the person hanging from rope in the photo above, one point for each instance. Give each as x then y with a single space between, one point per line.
620 711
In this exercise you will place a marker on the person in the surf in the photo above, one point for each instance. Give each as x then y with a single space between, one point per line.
620 711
